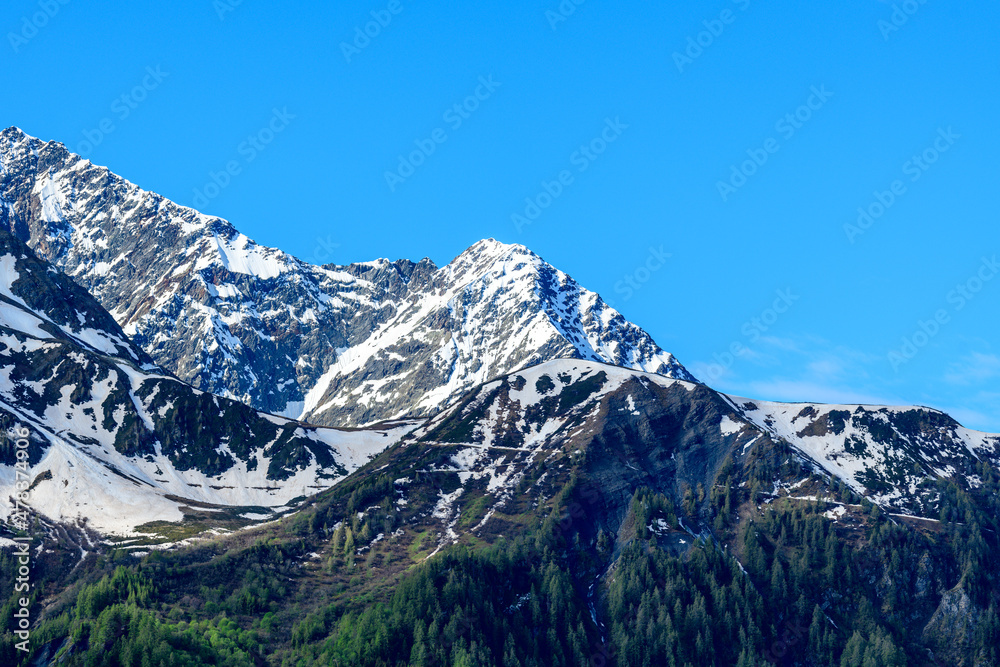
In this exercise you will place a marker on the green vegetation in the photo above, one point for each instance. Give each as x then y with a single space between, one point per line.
684 573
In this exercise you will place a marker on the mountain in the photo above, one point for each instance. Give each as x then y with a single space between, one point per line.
542 506
495 308
116 441
335 345
663 522
670 433
593 514
890 455
580 513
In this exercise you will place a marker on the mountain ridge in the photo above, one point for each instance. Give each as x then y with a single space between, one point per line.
257 324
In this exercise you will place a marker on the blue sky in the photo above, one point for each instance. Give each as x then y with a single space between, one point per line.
738 137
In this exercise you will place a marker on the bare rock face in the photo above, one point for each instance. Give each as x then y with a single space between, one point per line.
952 629
344 345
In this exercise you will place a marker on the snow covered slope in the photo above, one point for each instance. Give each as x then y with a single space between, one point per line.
339 345
889 454
494 309
118 442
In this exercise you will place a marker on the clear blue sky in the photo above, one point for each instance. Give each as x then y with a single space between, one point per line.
319 190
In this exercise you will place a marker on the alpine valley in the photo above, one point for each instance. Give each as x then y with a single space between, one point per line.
222 455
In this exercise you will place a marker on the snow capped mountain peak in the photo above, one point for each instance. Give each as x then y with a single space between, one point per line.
491 249
484 256
14 130
14 134
493 309
340 345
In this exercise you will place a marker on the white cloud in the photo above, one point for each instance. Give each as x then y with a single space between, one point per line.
828 367
974 419
806 369
809 391
974 368
811 369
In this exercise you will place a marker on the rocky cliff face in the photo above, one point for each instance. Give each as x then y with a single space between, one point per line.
253 323
951 631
